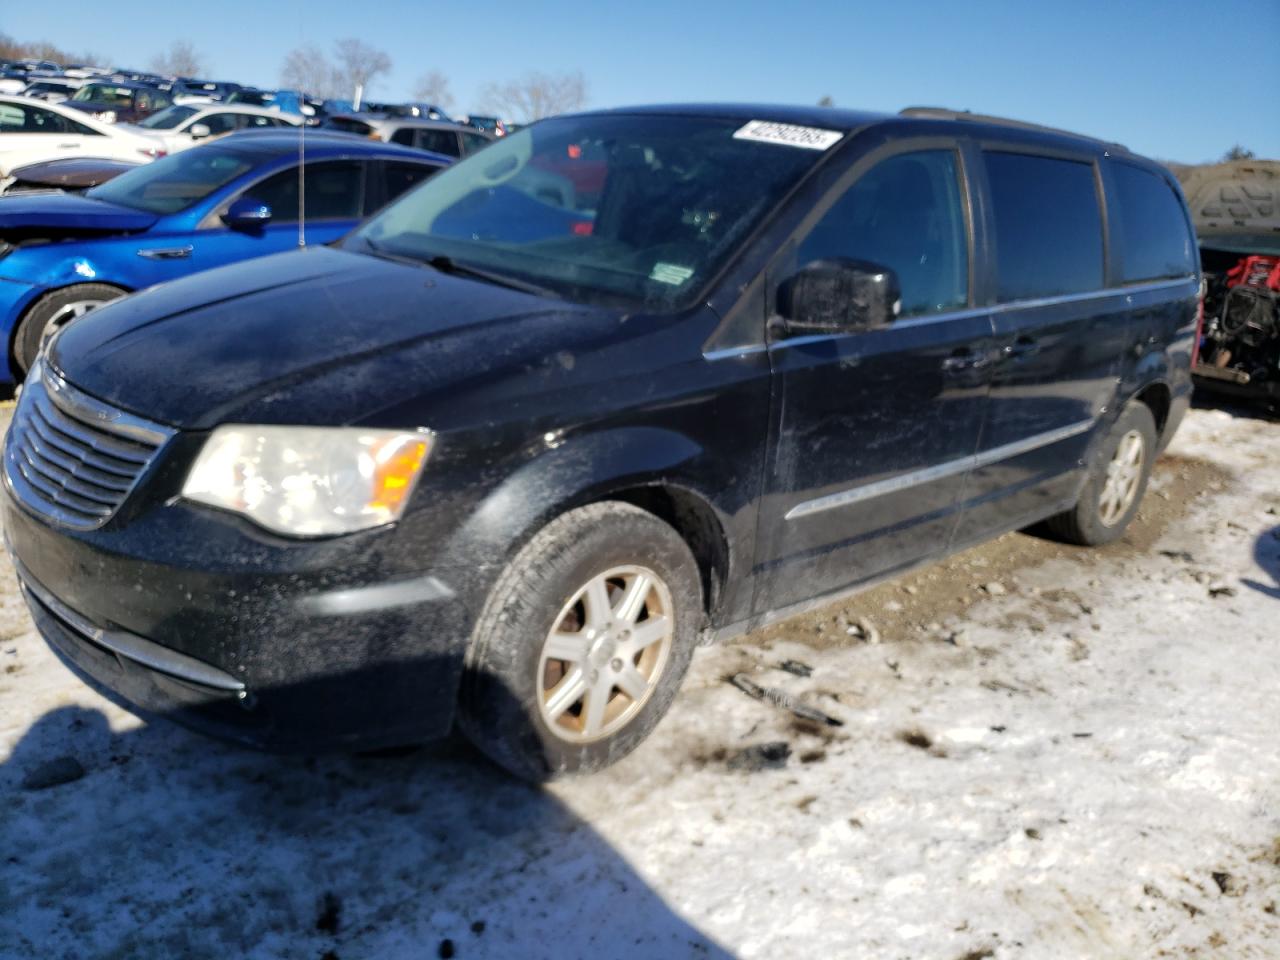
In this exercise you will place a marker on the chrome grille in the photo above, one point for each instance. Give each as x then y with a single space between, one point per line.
72 458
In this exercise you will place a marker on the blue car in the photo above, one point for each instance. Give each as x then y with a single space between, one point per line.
63 254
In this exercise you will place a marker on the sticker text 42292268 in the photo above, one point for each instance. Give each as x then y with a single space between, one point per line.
788 135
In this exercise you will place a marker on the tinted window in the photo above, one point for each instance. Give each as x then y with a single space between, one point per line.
905 214
438 141
403 136
1154 239
219 123
399 177
1048 226
349 126
471 142
335 191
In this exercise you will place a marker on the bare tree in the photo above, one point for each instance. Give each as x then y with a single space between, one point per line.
433 87
359 64
537 95
826 101
306 68
1238 153
181 60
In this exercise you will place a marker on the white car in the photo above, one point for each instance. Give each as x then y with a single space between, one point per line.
33 130
186 124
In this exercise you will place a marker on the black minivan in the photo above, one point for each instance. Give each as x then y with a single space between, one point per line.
620 383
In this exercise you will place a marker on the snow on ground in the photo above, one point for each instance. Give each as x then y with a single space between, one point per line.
1052 753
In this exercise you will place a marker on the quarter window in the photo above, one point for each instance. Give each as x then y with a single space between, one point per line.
1048 226
905 214
1155 241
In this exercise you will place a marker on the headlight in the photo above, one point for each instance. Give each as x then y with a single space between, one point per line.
309 481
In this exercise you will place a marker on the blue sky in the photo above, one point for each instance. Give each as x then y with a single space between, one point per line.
1179 80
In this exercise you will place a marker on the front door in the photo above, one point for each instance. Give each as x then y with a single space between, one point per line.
872 432
331 201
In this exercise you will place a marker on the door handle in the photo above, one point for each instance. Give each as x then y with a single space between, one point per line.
965 358
166 253
1022 347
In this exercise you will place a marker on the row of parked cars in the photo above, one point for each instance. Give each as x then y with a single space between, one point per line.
127 117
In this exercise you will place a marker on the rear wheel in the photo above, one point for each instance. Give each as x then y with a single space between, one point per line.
52 312
1117 481
583 643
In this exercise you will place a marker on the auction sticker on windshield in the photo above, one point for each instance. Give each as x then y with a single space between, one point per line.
788 134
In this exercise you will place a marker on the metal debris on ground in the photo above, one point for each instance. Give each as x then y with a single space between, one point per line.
761 756
796 668
782 699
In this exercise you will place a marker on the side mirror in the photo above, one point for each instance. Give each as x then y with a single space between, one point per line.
247 213
199 131
839 295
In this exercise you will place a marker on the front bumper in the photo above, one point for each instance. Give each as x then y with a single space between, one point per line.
283 646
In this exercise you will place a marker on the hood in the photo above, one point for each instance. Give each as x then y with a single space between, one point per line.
56 216
72 173
1235 206
319 336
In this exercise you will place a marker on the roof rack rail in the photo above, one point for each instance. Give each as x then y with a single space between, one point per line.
945 113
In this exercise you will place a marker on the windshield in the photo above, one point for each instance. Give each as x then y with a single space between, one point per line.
626 210
176 182
169 118
105 93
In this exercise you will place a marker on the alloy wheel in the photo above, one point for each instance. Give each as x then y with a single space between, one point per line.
605 654
1123 477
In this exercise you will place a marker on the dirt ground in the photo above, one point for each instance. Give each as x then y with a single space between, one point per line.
1028 751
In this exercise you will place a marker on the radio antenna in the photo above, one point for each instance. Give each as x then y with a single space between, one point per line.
302 181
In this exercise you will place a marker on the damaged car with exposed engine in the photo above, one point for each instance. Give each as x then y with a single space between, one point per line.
1236 208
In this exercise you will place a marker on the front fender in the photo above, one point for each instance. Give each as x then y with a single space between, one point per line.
567 472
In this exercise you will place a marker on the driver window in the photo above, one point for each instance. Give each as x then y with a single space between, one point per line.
906 214
219 123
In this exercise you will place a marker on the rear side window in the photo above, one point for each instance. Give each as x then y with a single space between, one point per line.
401 176
349 126
1048 226
335 191
1155 241
905 214
438 141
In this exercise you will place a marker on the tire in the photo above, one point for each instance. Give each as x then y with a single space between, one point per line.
1099 516
512 685
57 308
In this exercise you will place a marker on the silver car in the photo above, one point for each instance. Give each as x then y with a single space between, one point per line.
438 136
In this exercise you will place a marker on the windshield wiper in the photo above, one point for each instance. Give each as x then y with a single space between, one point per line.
446 264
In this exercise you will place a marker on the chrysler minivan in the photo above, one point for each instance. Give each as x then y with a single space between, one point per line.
620 383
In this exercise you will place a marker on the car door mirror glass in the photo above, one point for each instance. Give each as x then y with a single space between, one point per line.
199 131
838 296
247 213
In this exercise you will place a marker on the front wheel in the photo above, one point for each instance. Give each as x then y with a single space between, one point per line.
1117 481
51 313
583 642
